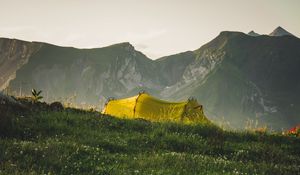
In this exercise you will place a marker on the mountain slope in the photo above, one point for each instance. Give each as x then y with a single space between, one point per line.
172 67
89 74
257 78
13 55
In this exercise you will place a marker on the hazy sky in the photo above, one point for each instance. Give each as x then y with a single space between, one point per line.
155 27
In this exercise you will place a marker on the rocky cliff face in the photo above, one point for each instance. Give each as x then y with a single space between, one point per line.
256 78
87 75
13 55
241 77
235 76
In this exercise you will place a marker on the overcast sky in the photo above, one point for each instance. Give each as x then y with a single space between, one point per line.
155 27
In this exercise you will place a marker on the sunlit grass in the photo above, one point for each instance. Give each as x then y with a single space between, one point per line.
82 142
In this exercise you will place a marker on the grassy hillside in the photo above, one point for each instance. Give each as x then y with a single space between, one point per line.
79 142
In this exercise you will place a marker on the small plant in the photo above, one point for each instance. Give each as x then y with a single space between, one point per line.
36 95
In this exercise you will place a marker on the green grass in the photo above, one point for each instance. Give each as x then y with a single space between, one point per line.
74 142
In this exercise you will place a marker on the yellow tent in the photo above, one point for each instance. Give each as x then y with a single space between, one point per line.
149 108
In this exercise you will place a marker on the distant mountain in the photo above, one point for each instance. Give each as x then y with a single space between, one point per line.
235 76
240 77
87 75
252 33
279 31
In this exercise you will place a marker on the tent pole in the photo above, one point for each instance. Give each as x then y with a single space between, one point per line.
184 112
136 103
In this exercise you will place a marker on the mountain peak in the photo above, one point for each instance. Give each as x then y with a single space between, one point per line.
124 45
252 33
279 31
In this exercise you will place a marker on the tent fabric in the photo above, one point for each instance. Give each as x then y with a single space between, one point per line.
147 107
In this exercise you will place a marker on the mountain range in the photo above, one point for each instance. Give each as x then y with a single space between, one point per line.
237 77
